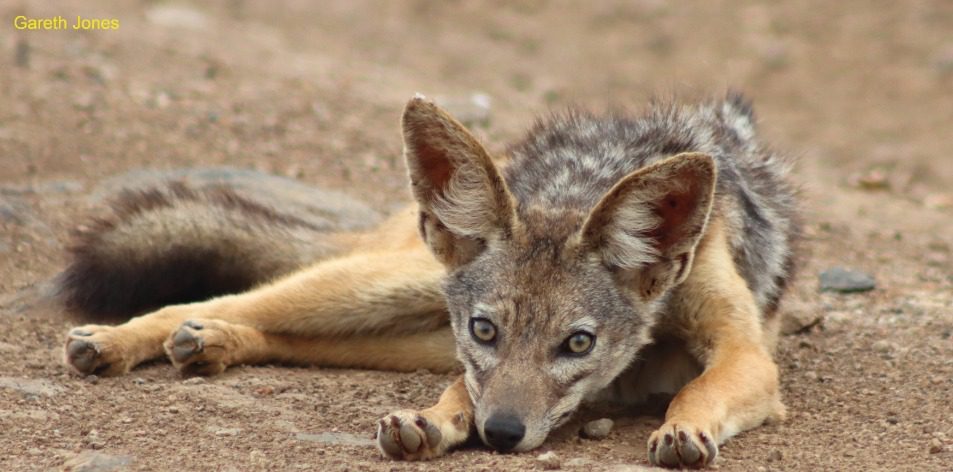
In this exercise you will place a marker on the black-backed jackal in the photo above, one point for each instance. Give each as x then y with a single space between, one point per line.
602 258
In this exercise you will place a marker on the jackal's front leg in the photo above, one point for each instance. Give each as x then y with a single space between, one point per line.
429 433
738 389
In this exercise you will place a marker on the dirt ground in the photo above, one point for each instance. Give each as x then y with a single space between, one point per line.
861 91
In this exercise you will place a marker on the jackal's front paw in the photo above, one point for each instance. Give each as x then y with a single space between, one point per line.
680 444
200 347
414 435
97 349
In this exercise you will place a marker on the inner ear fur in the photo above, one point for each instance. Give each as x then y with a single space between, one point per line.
648 225
462 197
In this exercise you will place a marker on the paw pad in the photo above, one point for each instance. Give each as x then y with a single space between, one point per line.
408 436
681 446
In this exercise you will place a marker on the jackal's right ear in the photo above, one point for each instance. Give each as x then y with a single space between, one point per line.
648 225
463 200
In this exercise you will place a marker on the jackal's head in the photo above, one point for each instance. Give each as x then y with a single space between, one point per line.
547 305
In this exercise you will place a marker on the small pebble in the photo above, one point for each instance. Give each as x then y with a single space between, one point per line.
883 346
473 110
22 54
194 381
936 446
838 279
938 201
549 461
775 455
598 429
97 461
578 462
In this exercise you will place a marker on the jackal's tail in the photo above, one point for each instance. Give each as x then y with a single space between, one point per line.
177 244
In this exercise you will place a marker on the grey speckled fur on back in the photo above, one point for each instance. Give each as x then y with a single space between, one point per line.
566 164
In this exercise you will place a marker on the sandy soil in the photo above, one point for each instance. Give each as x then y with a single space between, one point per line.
861 91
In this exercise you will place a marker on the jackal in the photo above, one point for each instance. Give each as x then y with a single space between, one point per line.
602 258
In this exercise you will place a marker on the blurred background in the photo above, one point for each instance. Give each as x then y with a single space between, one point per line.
312 88
860 91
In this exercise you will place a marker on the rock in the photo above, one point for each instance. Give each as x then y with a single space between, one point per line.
775 455
598 429
90 461
12 212
173 16
335 438
875 179
472 111
16 211
579 462
227 431
31 386
884 347
84 101
22 53
632 468
938 201
838 279
936 446
58 186
943 61
93 441
799 317
194 381
549 461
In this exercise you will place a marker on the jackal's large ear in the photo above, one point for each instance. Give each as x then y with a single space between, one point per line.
648 225
463 200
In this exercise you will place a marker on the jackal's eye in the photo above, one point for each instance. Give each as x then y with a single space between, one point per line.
482 330
579 343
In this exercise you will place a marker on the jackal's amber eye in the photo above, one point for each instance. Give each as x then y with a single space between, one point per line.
579 343
482 330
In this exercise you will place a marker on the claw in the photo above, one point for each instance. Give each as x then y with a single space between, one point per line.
194 325
709 446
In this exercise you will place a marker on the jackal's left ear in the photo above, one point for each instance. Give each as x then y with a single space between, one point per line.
463 199
648 225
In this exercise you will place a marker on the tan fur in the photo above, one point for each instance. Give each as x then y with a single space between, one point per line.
717 318
429 433
380 303
390 288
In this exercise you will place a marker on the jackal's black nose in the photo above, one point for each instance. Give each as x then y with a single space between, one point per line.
503 431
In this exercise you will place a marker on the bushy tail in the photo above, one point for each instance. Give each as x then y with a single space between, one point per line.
177 244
